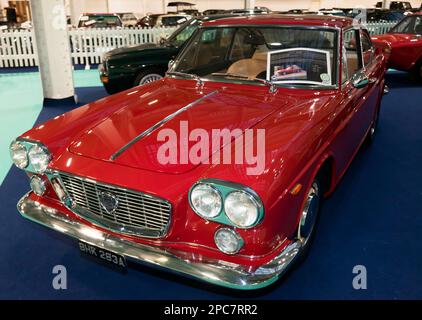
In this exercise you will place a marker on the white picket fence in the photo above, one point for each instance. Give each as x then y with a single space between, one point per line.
375 28
18 48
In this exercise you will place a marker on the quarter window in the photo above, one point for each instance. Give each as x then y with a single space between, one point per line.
351 61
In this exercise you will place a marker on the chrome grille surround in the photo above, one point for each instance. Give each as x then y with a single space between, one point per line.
137 213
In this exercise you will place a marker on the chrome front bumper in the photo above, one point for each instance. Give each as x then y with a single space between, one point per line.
218 272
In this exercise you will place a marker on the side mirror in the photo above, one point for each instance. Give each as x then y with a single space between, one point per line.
170 64
360 80
162 40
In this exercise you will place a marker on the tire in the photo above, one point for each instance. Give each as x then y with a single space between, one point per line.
370 137
111 90
417 72
309 217
147 76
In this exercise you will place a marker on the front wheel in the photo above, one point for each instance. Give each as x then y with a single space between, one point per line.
148 76
309 215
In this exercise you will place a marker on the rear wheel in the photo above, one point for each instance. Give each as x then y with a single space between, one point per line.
417 71
148 76
373 129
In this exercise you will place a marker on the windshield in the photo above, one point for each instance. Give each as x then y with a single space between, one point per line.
149 20
399 5
173 20
283 55
128 16
182 34
409 25
98 21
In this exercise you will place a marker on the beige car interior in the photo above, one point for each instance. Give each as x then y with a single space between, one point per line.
352 62
257 65
251 67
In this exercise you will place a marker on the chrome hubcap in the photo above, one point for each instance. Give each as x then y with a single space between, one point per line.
309 214
150 78
374 126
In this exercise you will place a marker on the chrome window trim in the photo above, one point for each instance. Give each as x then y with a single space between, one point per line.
352 28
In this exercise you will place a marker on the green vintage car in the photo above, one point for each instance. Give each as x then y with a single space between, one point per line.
126 67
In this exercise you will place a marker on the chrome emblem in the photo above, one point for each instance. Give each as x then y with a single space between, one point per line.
108 201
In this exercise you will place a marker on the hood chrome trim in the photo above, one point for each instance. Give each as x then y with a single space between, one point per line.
159 124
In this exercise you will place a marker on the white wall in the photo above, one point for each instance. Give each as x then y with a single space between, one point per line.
3 3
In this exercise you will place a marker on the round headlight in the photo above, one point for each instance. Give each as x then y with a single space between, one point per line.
38 185
19 155
228 240
206 201
242 209
38 158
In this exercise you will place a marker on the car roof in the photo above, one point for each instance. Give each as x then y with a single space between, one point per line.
274 19
216 16
99 14
181 14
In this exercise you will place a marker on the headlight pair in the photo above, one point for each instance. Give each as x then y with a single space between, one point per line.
227 203
30 156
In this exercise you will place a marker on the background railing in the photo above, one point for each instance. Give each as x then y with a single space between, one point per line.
375 28
18 48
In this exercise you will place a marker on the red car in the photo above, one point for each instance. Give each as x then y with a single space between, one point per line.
215 171
405 40
289 72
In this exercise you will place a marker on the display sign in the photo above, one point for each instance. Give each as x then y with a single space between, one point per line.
299 65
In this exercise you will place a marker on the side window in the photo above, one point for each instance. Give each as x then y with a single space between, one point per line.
350 55
240 49
209 35
418 25
367 48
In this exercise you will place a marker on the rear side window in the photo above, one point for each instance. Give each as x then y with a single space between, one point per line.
351 61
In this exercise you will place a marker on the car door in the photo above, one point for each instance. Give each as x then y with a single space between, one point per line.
358 98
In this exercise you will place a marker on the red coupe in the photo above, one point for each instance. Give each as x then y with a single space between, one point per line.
405 40
215 171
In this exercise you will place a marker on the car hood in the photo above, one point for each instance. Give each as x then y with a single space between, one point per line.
174 108
396 38
132 49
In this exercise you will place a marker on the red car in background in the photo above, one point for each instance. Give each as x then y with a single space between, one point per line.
405 40
115 174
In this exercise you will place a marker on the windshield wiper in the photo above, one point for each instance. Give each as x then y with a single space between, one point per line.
272 89
199 82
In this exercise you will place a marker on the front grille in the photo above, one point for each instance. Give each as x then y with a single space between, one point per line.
136 213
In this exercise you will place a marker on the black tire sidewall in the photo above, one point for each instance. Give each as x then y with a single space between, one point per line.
145 72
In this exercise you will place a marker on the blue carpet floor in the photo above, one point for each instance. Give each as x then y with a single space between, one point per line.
373 219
